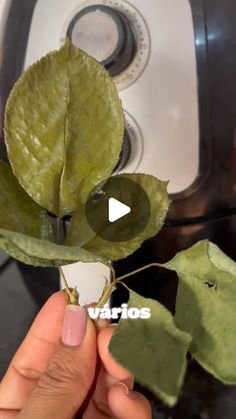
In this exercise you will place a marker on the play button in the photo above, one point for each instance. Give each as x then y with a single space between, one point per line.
118 210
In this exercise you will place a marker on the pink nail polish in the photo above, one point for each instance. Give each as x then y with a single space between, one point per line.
74 326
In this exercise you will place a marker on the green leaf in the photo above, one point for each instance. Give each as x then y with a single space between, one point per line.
43 253
206 307
18 212
81 234
154 350
64 128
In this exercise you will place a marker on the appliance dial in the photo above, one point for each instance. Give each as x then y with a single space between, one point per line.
115 33
106 34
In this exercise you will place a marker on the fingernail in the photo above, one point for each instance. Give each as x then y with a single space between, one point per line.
128 392
74 326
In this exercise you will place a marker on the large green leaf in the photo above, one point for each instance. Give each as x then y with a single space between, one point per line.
154 350
206 307
37 252
25 229
18 212
80 233
64 128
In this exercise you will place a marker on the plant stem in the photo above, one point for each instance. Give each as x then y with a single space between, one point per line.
58 231
151 265
72 295
113 273
106 294
108 290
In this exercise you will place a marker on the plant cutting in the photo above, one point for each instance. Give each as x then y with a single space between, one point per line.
64 129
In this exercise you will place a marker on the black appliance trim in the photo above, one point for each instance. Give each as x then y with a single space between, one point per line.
14 40
205 140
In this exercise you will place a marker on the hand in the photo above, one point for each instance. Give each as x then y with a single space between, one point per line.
59 377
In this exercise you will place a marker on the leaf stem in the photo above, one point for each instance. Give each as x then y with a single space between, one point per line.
151 265
108 289
58 231
72 295
113 273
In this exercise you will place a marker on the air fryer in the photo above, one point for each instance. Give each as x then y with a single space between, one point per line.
203 189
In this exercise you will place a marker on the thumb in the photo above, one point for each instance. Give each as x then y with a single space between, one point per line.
63 387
